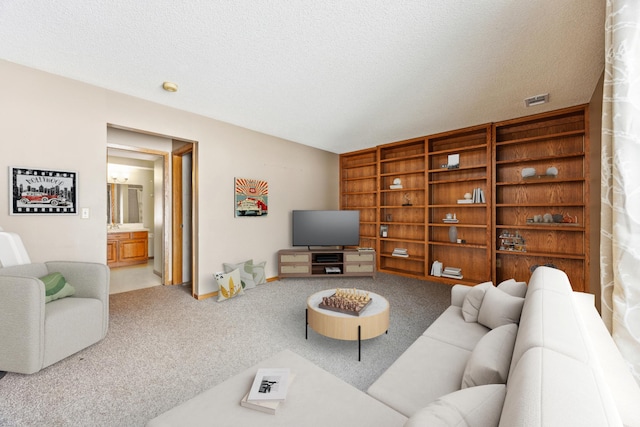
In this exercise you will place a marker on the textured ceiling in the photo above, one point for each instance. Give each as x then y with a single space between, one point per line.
339 75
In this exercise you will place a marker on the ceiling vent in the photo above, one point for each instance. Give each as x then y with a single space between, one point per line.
536 100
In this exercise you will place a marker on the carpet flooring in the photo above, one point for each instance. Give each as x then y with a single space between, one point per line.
164 347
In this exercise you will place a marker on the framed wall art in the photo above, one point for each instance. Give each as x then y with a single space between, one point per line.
252 197
42 192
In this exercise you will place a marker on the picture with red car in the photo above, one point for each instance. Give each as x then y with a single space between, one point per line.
39 191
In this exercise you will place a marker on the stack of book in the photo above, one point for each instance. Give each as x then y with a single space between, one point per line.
452 272
478 196
400 252
268 390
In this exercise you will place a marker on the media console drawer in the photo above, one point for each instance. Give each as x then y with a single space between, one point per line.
358 268
360 257
294 269
295 257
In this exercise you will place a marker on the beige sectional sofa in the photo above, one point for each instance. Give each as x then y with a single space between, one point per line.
514 355
506 355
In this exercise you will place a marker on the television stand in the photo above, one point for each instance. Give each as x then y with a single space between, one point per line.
326 262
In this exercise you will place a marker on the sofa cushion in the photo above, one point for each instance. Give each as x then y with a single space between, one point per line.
490 360
517 289
259 275
547 388
451 328
499 308
472 407
229 285
473 301
246 272
427 370
56 287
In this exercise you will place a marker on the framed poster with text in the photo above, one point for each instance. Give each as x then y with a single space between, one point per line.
42 192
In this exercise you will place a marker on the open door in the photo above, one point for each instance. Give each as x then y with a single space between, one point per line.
183 196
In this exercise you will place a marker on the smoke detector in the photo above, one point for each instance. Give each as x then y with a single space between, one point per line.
536 100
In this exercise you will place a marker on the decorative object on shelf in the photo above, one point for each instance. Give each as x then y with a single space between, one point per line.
453 161
452 272
397 184
400 252
384 230
512 242
551 172
467 198
389 217
556 218
436 269
453 234
42 192
251 197
450 218
406 200
478 195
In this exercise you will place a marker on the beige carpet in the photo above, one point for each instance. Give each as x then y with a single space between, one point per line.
164 347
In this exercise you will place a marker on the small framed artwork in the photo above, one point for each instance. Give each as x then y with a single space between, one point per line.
251 197
42 192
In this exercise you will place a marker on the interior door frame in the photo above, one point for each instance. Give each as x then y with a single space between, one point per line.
177 212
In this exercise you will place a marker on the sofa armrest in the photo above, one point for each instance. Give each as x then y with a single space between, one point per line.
90 280
458 292
21 324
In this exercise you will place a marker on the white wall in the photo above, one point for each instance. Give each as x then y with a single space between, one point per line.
52 122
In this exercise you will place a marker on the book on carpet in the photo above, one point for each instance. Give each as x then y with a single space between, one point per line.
268 406
269 384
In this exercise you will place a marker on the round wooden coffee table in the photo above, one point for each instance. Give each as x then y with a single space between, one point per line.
372 322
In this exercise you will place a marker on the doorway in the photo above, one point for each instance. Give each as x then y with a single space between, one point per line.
133 149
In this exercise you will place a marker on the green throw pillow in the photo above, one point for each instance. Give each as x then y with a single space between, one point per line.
56 287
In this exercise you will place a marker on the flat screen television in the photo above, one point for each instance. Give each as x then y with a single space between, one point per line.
326 228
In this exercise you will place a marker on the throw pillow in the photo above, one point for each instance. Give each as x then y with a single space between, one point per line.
246 272
491 358
499 308
56 287
229 285
259 275
473 407
517 289
473 300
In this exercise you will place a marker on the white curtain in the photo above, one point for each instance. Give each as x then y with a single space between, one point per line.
620 204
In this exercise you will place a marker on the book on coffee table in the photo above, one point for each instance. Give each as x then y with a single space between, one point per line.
270 384
268 406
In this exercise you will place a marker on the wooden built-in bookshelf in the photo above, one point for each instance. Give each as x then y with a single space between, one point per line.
491 158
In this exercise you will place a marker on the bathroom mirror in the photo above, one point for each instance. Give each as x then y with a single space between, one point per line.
124 203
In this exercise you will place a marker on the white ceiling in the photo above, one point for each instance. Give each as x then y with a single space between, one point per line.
339 75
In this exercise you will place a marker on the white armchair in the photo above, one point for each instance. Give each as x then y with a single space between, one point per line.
35 334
